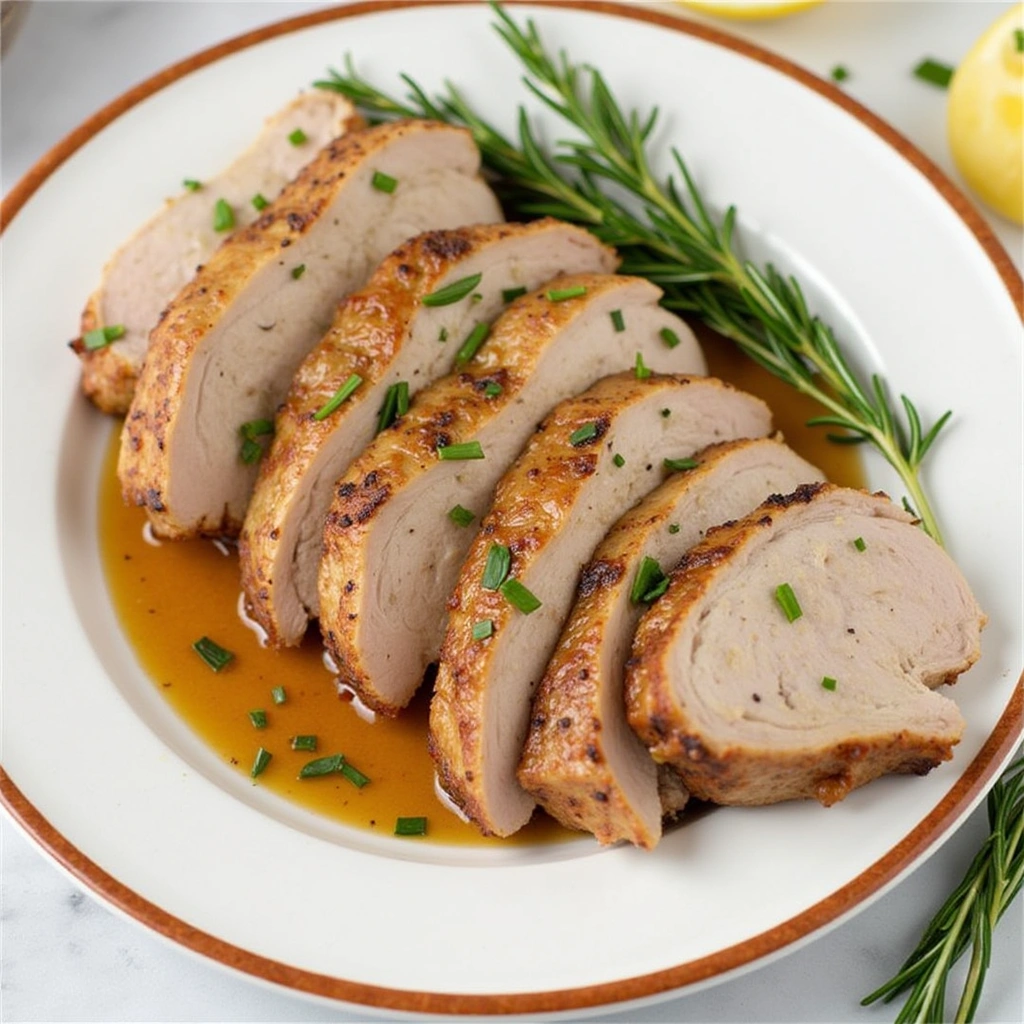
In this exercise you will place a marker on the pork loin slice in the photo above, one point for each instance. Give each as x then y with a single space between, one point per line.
550 510
145 274
582 762
389 534
229 344
752 708
386 335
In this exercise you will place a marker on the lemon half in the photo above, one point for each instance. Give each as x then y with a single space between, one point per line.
985 116
750 9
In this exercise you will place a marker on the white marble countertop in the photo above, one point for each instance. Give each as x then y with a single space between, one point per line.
66 957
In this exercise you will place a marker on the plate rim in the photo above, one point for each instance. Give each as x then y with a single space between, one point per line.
936 826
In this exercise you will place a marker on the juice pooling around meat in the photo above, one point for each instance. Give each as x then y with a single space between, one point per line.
168 596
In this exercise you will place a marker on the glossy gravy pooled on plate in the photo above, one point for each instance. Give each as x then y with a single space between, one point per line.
169 595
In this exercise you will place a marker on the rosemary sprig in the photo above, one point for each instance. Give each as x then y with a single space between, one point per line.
665 232
967 919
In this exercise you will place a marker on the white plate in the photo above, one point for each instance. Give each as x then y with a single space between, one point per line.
104 776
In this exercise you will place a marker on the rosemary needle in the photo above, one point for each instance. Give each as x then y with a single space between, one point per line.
672 240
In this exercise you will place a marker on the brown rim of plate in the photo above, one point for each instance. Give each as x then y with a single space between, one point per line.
884 871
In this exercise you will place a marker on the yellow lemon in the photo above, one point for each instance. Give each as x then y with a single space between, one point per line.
986 116
750 9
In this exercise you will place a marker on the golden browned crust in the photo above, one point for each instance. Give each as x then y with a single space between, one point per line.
564 763
363 339
143 466
108 379
451 411
734 773
525 520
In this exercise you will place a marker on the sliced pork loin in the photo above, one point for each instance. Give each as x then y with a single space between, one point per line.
227 348
389 334
145 274
753 708
591 459
389 533
582 762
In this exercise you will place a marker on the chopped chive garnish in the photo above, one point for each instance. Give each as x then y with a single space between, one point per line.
460 516
492 389
252 451
934 72
679 465
673 527
256 428
642 371
322 766
353 774
344 392
828 683
499 561
519 597
259 202
583 435
788 602
471 345
258 718
618 460
278 695
383 182
476 297
1018 39
859 544
192 185
666 413
410 826
298 137
669 336
561 294
212 653
298 271
618 321
102 336
461 452
223 216
511 294
483 629
839 73
443 334
260 762
452 292
396 403
649 583
305 742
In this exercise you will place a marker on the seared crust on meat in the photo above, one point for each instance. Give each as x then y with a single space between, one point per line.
539 351
159 413
280 542
579 740
783 735
108 377
549 518
150 268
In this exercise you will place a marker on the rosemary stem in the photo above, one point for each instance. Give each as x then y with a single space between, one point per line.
935 983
